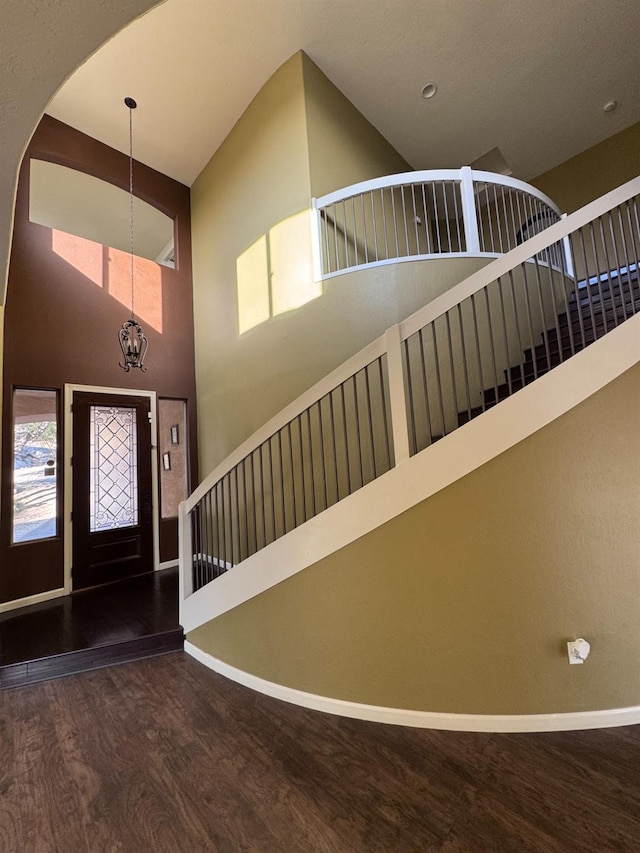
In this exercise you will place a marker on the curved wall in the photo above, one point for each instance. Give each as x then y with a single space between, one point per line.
464 603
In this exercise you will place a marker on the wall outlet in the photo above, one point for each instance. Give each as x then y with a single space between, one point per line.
578 650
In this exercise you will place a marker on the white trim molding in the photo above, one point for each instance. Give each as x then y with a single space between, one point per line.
431 175
570 721
346 243
38 598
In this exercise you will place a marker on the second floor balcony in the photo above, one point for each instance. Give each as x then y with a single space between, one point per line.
445 213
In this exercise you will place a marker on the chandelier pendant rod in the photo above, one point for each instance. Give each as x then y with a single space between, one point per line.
133 341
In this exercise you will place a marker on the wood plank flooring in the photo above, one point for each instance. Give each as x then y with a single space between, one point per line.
163 755
124 621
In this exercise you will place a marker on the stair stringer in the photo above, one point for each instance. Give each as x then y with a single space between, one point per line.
421 476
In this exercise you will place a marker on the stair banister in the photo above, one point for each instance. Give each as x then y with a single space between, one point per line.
347 369
533 246
472 236
523 256
423 214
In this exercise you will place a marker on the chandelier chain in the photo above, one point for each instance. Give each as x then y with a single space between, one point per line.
131 205
133 341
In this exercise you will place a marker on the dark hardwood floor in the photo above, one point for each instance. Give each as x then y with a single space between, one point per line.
163 755
123 621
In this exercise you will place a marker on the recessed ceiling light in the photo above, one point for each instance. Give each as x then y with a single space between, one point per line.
610 106
429 90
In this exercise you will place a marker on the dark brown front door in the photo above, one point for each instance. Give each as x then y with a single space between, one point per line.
112 492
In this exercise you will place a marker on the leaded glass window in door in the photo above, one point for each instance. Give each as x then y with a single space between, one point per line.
113 482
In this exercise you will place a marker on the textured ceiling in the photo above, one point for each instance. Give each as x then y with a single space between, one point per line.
528 77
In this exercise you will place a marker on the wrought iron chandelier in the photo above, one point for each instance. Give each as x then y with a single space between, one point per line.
132 339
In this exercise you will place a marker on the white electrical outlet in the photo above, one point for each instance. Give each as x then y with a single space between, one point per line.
578 650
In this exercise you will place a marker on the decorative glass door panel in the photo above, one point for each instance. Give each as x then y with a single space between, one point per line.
113 472
112 499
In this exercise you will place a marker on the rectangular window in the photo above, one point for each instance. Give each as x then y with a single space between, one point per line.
35 465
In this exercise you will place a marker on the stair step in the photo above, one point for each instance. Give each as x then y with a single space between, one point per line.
504 391
554 350
526 372
626 280
96 657
601 311
591 314
463 417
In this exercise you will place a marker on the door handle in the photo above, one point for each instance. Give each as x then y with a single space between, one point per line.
147 507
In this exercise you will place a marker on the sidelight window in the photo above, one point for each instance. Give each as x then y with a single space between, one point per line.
35 464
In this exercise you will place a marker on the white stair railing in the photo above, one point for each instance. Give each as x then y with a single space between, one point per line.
428 214
476 344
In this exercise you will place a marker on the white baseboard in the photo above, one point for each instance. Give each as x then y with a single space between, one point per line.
422 719
32 599
168 564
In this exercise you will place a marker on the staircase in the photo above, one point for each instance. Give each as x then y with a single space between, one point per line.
593 310
380 433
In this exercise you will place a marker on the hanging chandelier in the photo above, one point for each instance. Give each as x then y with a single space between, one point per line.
132 339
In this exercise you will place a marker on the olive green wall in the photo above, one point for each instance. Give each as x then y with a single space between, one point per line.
344 147
298 138
258 178
465 602
593 173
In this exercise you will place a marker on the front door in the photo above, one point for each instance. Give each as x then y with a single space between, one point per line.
112 491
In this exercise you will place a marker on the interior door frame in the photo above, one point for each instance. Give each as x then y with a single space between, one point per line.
69 391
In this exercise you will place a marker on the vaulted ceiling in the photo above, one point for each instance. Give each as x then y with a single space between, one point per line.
529 78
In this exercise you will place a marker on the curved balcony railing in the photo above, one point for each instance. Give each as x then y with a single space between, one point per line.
429 214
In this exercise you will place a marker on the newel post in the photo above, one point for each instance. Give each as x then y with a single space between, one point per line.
316 241
397 395
566 247
185 554
471 234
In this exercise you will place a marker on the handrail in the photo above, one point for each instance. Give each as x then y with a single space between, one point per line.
533 246
478 343
327 384
429 175
425 214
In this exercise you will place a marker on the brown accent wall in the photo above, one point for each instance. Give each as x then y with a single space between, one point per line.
61 326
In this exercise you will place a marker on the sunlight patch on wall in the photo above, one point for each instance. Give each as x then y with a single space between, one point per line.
275 274
85 256
292 283
147 277
111 269
252 276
